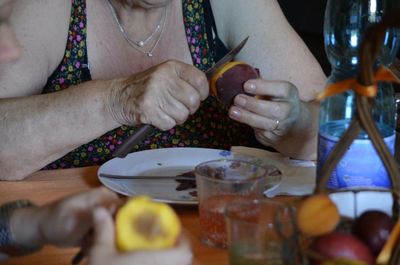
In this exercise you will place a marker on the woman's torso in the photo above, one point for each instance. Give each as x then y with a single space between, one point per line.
100 45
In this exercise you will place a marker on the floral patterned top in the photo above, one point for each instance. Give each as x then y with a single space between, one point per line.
209 127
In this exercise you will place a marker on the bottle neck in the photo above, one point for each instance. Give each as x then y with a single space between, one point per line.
341 72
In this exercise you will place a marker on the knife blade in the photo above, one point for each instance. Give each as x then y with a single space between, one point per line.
176 177
227 58
147 129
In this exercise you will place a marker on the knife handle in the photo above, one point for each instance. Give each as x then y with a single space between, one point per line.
141 133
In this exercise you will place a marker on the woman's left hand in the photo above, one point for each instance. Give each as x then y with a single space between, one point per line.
272 113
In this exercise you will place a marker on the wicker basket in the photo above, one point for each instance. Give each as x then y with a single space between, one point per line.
363 120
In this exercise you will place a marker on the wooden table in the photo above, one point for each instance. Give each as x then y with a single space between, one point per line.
45 186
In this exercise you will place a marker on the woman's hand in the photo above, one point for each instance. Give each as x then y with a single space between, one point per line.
163 96
103 251
63 223
273 113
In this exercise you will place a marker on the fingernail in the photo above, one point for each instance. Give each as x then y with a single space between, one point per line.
240 101
235 113
249 87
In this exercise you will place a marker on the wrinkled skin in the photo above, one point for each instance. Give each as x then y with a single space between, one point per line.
164 95
278 100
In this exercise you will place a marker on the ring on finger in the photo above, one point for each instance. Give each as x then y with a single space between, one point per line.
276 125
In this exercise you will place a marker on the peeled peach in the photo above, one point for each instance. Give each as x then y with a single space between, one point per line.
142 224
336 245
317 215
229 79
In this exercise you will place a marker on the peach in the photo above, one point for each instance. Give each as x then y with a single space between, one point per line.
338 245
317 215
386 252
373 227
229 79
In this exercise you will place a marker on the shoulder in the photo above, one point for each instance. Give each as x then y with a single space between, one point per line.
237 15
40 17
274 47
42 23
41 28
41 10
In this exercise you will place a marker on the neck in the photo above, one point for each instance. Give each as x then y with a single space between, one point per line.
140 30
137 4
137 20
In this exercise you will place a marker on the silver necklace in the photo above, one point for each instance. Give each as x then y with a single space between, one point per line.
139 45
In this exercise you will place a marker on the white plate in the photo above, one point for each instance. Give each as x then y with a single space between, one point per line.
158 162
164 162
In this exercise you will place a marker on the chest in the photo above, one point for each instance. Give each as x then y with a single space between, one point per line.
110 55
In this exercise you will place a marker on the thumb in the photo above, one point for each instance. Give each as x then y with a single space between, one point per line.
103 230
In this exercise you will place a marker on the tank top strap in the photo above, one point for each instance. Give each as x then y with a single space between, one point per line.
74 68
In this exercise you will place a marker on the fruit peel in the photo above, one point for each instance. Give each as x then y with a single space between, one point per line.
142 224
228 81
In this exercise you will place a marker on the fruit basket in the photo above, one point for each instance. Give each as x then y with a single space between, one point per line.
349 227
355 226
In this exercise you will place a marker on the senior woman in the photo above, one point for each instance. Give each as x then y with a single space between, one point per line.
25 228
93 70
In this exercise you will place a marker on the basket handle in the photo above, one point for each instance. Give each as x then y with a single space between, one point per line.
363 119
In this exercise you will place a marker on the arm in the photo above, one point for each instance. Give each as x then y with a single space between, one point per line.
36 129
30 122
285 61
62 223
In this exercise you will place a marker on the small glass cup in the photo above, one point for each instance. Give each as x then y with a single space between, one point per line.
220 182
262 232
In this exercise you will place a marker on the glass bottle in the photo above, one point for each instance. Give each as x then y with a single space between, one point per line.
344 26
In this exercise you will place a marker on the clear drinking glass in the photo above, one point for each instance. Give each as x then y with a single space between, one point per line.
262 232
220 182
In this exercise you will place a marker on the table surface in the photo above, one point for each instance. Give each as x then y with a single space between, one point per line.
46 186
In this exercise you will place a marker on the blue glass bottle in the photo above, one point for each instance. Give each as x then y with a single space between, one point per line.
345 24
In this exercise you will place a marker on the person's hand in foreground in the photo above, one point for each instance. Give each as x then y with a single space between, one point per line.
104 252
66 222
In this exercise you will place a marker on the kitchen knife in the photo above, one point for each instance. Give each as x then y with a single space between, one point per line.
147 129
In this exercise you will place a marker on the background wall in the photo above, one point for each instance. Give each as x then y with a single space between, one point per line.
307 18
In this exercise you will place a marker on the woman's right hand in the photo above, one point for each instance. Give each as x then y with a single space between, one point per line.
103 251
163 95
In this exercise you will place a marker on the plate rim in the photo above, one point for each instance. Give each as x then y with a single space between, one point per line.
175 202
